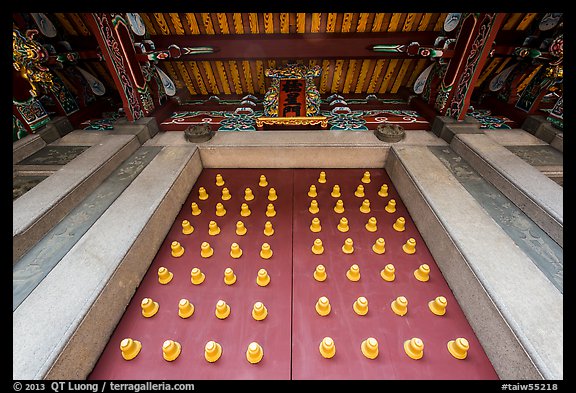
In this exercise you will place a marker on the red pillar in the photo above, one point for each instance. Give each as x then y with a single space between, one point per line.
473 45
115 41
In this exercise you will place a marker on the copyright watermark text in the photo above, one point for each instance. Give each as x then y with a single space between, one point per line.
99 387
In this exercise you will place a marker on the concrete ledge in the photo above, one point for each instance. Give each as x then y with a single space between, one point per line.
81 137
513 137
558 142
56 128
532 191
37 211
446 127
522 338
85 295
540 127
26 146
144 128
289 149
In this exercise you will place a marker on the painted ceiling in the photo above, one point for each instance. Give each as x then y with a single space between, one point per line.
246 44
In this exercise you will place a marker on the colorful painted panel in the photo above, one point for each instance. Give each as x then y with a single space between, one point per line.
32 112
245 120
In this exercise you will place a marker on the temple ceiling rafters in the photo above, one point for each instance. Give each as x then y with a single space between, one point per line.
245 44
190 57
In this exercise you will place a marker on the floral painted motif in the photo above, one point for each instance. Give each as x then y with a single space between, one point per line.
32 112
557 46
487 120
556 114
64 96
239 121
346 121
18 129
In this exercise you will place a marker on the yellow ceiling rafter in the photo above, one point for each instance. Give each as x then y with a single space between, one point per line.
198 77
268 23
284 23
66 24
81 27
424 21
362 22
324 76
253 22
238 24
223 77
223 23
312 63
400 76
233 66
149 26
349 75
207 23
331 22
420 65
394 22
503 64
362 76
440 22
212 85
512 21
377 22
337 75
247 76
526 21
172 74
527 79
260 76
408 22
347 22
487 71
388 75
271 64
300 22
374 79
316 18
185 77
177 23
162 23
340 74
493 69
192 23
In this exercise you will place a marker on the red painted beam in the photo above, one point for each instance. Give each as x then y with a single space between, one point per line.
505 41
294 46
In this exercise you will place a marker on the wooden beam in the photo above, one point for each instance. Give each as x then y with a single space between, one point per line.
290 46
301 46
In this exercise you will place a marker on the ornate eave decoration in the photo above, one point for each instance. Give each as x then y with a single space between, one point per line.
27 57
293 71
